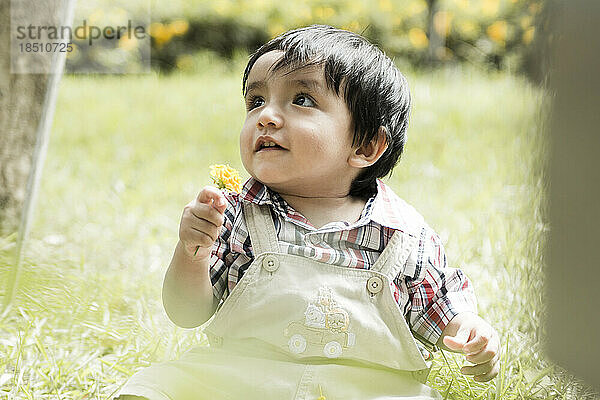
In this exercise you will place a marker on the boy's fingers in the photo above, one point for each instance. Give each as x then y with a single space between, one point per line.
213 196
481 357
456 343
478 342
491 350
489 376
480 368
205 212
201 238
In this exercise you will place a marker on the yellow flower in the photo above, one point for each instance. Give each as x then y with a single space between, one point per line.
497 31
226 177
418 38
161 33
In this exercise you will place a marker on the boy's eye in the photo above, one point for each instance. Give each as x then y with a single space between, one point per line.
304 100
254 101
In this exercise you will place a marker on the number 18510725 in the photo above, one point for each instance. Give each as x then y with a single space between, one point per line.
49 47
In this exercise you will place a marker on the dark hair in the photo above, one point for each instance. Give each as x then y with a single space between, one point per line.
375 92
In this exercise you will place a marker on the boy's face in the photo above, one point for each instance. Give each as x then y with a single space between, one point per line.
309 124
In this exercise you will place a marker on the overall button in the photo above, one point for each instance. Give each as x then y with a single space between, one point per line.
374 284
270 263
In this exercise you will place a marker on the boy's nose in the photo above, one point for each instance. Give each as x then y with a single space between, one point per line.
270 117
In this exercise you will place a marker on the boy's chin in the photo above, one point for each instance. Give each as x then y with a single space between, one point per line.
275 183
268 178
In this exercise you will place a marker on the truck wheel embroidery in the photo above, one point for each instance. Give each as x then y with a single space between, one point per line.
325 325
297 344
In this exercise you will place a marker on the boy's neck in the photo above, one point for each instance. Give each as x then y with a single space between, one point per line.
320 211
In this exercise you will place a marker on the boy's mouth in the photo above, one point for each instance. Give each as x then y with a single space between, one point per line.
267 143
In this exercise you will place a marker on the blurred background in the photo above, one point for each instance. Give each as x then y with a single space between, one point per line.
127 151
497 34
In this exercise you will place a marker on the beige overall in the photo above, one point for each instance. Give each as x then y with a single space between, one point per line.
296 328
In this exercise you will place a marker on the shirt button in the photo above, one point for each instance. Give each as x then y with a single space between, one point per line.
270 263
374 284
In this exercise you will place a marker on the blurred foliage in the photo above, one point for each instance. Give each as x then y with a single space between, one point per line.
493 33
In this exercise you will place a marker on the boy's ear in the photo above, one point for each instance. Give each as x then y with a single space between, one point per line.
369 153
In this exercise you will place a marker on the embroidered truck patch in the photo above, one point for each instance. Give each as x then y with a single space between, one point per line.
325 324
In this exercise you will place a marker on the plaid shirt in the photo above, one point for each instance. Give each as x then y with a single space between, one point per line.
428 292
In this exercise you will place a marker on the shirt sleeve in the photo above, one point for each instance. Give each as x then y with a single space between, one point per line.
436 292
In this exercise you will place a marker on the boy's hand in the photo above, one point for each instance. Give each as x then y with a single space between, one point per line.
201 222
469 334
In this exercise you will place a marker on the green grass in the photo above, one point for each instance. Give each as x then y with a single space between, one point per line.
127 153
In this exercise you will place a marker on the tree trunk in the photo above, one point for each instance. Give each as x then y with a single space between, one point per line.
573 270
28 90
21 102
435 40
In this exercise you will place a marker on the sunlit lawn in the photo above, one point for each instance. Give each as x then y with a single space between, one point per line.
127 153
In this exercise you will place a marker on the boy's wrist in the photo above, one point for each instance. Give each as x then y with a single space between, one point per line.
192 261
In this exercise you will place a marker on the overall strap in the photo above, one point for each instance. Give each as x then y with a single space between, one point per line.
260 228
393 258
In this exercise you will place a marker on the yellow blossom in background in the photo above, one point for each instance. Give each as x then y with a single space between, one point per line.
179 27
490 7
226 177
497 31
528 35
418 38
161 33
442 21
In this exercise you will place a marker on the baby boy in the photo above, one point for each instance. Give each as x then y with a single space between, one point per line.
310 257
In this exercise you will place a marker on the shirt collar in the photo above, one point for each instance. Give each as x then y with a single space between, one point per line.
385 208
256 192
